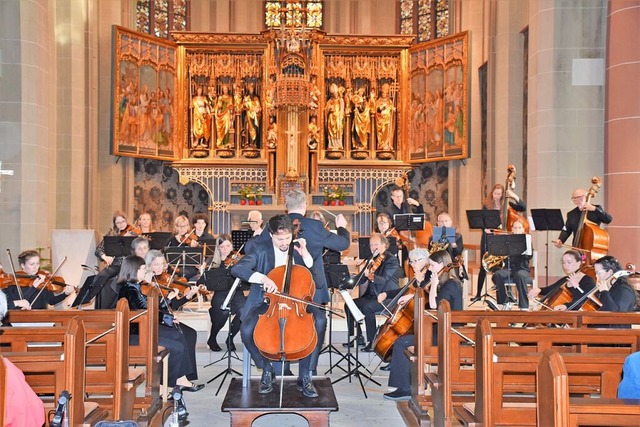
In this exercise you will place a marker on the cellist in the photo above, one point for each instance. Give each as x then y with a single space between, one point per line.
595 214
576 282
442 283
253 268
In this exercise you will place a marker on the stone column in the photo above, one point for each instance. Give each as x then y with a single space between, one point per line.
622 127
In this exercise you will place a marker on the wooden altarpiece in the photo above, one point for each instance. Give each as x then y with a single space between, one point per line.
257 109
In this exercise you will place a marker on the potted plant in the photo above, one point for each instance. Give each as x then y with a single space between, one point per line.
246 193
259 192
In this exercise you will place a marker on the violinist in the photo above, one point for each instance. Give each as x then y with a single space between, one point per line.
595 214
442 284
576 282
495 200
145 224
455 248
253 268
184 236
107 296
384 226
518 271
156 272
615 293
31 279
130 278
200 223
379 275
223 261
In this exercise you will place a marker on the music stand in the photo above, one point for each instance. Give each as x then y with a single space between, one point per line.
481 219
409 222
87 292
211 246
159 240
545 220
240 237
118 246
337 275
351 360
444 234
507 245
183 256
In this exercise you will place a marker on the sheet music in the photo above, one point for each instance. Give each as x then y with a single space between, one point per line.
355 311
529 250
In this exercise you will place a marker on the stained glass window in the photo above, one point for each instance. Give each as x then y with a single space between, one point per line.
159 17
427 19
293 13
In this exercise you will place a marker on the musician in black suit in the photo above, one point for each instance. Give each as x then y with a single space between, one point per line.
318 239
595 214
253 268
401 206
374 279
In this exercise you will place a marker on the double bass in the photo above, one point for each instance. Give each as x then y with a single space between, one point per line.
589 237
508 214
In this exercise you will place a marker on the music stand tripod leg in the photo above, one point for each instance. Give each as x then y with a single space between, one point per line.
228 356
330 348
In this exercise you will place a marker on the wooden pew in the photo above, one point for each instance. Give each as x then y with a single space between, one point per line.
501 367
106 374
145 353
459 368
67 370
3 388
556 408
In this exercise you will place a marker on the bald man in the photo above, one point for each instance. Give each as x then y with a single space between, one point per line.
595 214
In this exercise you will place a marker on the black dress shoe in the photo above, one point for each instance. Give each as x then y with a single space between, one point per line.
266 382
367 349
193 388
350 343
305 385
476 298
398 395
386 367
214 347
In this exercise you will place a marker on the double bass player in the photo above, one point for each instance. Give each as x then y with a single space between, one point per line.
595 214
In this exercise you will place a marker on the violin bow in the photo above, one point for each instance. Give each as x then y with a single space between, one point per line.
46 282
13 270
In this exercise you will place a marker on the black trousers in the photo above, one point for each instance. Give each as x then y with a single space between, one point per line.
219 316
369 306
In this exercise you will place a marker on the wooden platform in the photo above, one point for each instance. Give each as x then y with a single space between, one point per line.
245 405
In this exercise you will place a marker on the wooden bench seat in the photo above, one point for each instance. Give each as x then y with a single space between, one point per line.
556 407
145 357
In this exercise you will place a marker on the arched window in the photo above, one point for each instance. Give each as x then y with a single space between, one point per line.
159 17
295 12
427 19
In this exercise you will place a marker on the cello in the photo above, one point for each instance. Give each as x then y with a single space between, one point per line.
400 322
286 331
508 214
589 236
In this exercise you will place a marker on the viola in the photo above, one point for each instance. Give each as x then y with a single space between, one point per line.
286 331
187 239
232 259
178 283
510 215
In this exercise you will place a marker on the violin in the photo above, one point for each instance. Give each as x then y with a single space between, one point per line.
55 284
232 259
510 215
130 230
375 265
187 239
